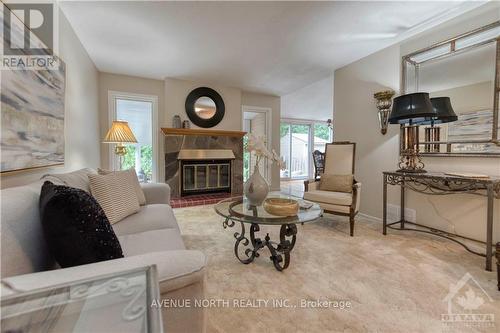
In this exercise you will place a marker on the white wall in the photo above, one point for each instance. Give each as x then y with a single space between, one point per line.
314 101
81 111
356 119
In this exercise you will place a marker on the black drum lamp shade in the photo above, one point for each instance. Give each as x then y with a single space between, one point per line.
444 110
412 108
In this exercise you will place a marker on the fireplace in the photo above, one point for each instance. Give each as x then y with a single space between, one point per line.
205 170
195 146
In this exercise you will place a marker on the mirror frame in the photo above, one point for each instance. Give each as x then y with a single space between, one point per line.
407 60
219 107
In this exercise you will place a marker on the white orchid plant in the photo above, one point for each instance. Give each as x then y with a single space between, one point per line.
258 146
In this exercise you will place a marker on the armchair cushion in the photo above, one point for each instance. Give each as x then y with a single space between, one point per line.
336 183
329 197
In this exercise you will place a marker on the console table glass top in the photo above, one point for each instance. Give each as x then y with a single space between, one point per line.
246 248
119 302
442 183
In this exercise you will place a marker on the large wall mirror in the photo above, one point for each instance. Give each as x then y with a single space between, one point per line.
466 70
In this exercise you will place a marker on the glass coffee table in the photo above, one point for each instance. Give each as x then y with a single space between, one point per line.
246 250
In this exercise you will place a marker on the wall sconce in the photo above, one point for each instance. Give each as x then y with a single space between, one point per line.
384 103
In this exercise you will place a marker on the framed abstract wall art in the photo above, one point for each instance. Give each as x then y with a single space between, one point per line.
32 114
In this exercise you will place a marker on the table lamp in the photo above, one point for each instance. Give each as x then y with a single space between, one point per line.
120 133
444 114
409 111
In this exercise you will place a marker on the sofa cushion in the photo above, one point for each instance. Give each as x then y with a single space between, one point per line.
334 198
131 175
75 226
77 179
151 241
149 217
116 195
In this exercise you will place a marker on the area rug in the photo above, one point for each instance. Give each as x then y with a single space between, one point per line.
402 282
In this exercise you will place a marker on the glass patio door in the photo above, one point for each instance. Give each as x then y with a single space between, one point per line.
295 140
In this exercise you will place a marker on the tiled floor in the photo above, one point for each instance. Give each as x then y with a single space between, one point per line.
198 200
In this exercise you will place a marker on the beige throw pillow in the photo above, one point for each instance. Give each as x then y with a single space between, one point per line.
336 183
134 181
116 195
77 179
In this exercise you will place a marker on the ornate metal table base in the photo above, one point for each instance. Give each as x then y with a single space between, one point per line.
280 252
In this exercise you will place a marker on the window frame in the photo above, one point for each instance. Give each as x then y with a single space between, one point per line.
113 161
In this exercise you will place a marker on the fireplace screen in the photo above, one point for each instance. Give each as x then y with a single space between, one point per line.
205 177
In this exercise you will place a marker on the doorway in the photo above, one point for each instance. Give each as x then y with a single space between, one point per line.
256 120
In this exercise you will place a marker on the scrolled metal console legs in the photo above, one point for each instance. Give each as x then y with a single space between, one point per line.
280 252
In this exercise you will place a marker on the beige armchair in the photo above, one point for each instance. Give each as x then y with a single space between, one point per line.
339 160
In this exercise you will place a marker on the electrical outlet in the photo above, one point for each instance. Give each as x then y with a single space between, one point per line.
411 215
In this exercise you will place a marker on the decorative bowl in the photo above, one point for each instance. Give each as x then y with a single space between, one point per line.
281 206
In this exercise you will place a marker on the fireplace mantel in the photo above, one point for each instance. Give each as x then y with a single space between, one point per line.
199 131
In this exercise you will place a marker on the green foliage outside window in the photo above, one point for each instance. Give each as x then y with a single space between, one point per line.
128 161
147 161
322 131
284 129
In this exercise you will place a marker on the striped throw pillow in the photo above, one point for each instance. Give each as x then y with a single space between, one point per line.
133 180
116 195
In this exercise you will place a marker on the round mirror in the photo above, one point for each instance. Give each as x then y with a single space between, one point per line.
205 107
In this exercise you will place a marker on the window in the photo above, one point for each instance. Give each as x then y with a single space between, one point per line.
140 113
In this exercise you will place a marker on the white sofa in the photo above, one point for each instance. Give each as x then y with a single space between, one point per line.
148 237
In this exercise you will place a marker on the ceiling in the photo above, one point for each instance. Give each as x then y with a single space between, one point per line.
267 47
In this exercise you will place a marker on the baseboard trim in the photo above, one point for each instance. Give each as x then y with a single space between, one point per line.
370 217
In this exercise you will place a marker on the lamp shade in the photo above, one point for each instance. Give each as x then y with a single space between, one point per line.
411 108
444 110
120 133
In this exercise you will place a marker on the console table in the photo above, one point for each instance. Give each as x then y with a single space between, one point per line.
443 184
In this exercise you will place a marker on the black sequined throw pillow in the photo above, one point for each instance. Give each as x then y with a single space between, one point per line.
76 229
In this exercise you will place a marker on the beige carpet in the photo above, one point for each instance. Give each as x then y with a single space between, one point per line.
395 283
